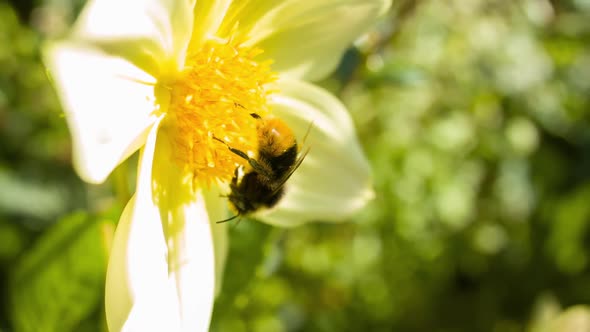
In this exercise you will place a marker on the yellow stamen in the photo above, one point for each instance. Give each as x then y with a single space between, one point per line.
214 96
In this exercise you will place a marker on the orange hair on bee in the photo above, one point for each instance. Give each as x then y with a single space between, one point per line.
274 137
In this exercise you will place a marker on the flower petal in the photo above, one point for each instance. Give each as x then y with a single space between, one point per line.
108 102
137 276
217 210
208 16
161 271
137 286
334 179
149 33
186 224
305 39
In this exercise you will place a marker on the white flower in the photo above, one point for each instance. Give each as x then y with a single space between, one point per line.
168 76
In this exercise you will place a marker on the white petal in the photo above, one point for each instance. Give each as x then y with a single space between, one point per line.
137 285
137 277
108 103
208 16
186 224
334 180
304 38
149 33
162 269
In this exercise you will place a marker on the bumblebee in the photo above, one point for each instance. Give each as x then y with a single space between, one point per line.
277 158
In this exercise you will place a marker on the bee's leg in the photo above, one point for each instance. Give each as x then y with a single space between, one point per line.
258 168
236 151
228 219
255 164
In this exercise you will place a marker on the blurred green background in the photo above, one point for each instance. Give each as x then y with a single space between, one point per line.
475 115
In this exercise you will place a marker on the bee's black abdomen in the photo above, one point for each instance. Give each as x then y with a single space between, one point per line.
273 199
252 194
282 163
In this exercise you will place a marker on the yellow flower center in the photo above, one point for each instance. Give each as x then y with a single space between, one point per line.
213 98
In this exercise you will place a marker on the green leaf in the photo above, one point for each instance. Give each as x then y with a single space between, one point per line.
59 282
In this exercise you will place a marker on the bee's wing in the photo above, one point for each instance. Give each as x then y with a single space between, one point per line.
297 163
287 175
307 134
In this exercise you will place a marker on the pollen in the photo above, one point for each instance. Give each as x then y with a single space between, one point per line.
213 99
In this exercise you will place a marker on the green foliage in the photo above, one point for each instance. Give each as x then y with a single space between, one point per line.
475 116
52 268
59 282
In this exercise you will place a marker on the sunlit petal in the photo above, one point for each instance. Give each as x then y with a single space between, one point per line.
109 104
149 33
208 16
137 280
161 270
334 180
305 39
137 285
185 220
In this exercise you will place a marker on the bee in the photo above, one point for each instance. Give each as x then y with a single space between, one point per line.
277 159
